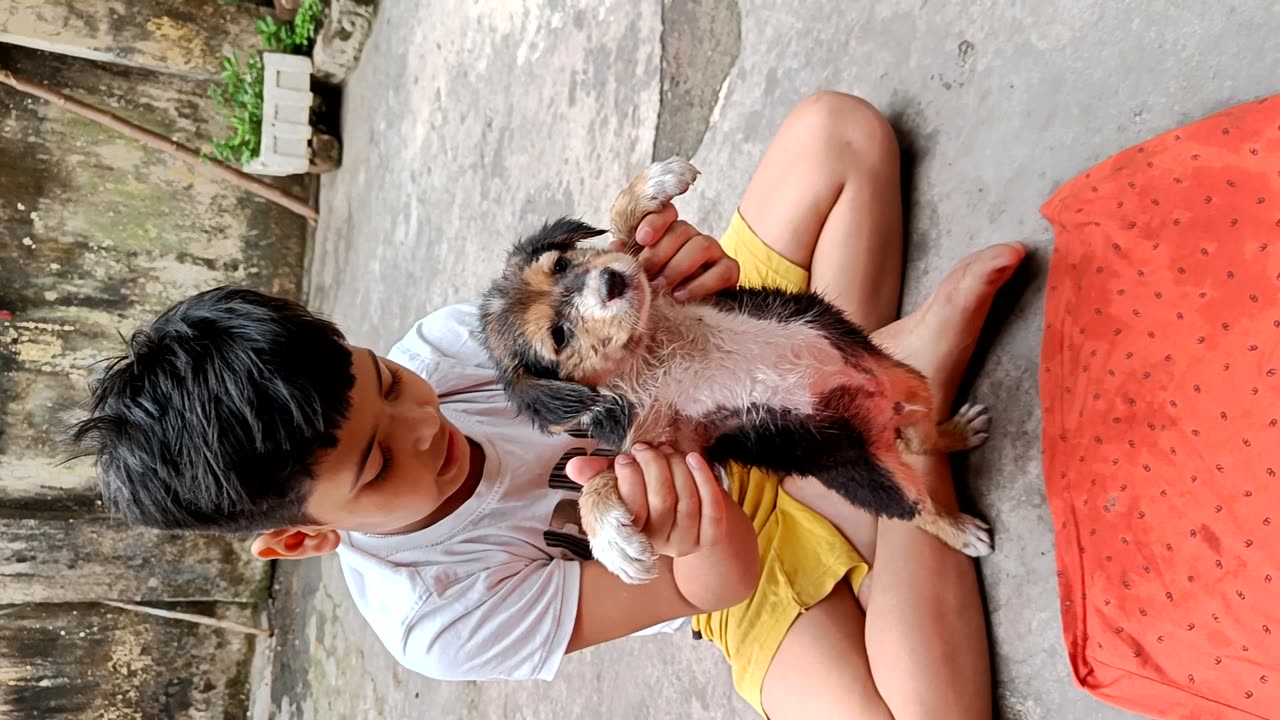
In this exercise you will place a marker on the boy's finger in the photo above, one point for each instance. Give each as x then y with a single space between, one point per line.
658 490
631 487
655 225
720 276
582 469
697 253
685 529
712 497
655 257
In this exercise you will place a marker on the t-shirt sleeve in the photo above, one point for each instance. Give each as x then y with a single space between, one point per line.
512 622
445 348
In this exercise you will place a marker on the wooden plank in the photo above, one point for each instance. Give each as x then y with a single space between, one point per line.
80 559
174 36
92 662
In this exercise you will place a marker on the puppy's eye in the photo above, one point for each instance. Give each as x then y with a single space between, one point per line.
561 266
559 336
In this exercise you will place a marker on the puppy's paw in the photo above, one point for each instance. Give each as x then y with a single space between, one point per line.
965 533
973 536
624 551
668 179
615 541
647 193
970 426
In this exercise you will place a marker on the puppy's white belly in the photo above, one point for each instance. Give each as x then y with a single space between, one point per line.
744 362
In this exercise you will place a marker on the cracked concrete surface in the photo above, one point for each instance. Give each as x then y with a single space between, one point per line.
468 123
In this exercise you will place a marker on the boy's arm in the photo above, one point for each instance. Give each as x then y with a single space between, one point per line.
709 550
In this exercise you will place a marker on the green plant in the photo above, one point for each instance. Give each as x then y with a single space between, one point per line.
238 95
297 35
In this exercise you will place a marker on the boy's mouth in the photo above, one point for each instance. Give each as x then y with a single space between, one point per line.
452 451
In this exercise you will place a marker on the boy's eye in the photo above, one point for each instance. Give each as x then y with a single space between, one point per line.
393 388
561 265
559 336
382 472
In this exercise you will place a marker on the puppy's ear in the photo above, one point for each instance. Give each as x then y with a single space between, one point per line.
558 405
553 405
610 421
563 235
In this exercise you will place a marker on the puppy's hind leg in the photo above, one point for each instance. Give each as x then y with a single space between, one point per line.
965 533
918 435
648 193
615 541
967 430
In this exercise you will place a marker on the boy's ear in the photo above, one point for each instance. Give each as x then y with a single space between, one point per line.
295 543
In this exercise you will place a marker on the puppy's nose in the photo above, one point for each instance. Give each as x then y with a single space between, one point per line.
612 284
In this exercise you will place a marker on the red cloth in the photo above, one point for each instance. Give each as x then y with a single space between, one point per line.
1160 391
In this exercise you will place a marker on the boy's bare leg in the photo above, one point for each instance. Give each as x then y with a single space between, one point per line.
826 196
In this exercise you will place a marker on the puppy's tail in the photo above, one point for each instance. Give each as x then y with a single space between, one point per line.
648 193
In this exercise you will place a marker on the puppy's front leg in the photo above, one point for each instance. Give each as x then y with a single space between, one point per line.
615 541
648 193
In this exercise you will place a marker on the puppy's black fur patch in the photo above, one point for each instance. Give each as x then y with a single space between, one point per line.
809 308
827 444
552 403
610 420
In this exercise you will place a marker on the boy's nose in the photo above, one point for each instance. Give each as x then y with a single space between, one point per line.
425 421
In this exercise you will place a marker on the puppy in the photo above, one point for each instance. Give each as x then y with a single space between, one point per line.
762 377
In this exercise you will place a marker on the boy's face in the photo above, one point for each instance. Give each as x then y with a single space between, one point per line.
397 461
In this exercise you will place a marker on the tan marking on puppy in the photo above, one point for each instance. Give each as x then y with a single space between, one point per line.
598 330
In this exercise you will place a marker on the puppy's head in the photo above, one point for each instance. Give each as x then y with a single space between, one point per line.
563 318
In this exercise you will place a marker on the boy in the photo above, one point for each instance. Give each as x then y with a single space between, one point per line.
455 521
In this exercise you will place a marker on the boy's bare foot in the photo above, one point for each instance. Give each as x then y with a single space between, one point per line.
938 338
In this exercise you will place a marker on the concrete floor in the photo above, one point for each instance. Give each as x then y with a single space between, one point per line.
468 123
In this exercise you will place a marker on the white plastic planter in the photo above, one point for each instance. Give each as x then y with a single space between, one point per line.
286 116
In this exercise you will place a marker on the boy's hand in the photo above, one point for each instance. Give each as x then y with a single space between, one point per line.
677 256
675 501
709 557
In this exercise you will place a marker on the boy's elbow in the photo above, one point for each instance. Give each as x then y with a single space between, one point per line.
737 587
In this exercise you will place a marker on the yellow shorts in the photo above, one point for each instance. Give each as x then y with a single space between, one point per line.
802 555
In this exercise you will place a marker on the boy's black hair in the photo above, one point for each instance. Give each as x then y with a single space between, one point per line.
214 418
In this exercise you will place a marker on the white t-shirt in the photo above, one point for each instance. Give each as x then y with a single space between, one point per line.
490 592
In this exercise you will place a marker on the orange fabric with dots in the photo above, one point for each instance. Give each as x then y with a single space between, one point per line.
1160 392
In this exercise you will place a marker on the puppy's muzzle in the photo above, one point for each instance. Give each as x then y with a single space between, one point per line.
613 285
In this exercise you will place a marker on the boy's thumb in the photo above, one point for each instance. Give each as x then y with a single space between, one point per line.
582 469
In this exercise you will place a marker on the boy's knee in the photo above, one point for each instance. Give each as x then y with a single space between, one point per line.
845 127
